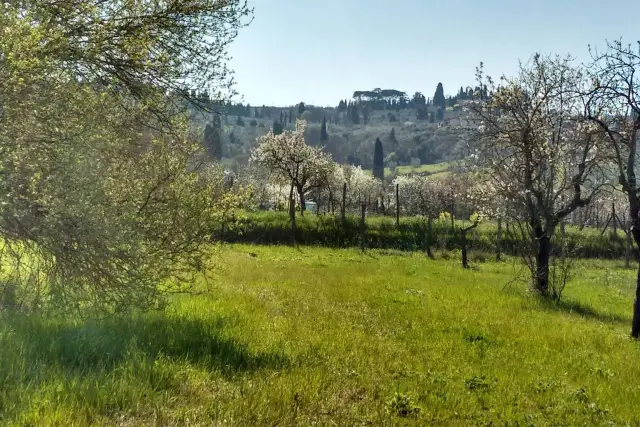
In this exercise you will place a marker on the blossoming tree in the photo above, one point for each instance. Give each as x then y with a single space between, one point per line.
537 150
289 157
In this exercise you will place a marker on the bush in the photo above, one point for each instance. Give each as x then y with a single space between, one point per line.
269 227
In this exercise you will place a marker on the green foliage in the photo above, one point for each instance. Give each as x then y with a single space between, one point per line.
284 336
107 199
403 406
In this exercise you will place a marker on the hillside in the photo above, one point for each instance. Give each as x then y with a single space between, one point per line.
410 144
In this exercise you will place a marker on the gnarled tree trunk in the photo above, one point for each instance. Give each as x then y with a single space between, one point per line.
429 237
542 265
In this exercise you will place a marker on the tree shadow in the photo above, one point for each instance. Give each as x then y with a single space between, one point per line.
584 311
99 346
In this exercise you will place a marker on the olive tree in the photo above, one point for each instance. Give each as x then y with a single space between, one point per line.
107 200
538 151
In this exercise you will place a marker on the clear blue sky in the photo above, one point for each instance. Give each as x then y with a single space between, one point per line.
321 51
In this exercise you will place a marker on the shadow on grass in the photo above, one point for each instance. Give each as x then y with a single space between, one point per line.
585 311
102 346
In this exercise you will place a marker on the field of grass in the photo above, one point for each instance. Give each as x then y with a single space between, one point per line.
284 336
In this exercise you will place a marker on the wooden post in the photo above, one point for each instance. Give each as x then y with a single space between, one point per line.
292 214
397 205
363 212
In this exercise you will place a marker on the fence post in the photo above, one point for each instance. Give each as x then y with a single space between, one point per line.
363 208
499 240
343 212
397 205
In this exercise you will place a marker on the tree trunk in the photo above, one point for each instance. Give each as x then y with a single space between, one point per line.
303 205
429 237
331 202
363 212
343 212
499 240
463 243
542 265
453 226
397 205
635 326
292 214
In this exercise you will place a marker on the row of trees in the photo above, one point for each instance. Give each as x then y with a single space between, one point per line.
555 136
385 99
549 141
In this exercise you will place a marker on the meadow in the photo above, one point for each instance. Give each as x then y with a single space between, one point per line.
319 336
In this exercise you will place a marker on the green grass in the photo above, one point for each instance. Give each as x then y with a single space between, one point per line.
285 336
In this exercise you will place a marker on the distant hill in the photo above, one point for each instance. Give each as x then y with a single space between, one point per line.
410 138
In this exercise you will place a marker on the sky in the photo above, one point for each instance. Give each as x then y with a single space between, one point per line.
321 51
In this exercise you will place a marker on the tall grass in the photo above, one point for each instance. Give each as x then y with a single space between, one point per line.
317 336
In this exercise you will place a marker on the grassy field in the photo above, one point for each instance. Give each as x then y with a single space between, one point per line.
314 336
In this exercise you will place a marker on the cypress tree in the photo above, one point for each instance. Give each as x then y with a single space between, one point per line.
392 138
354 114
324 136
378 160
438 98
277 127
213 137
